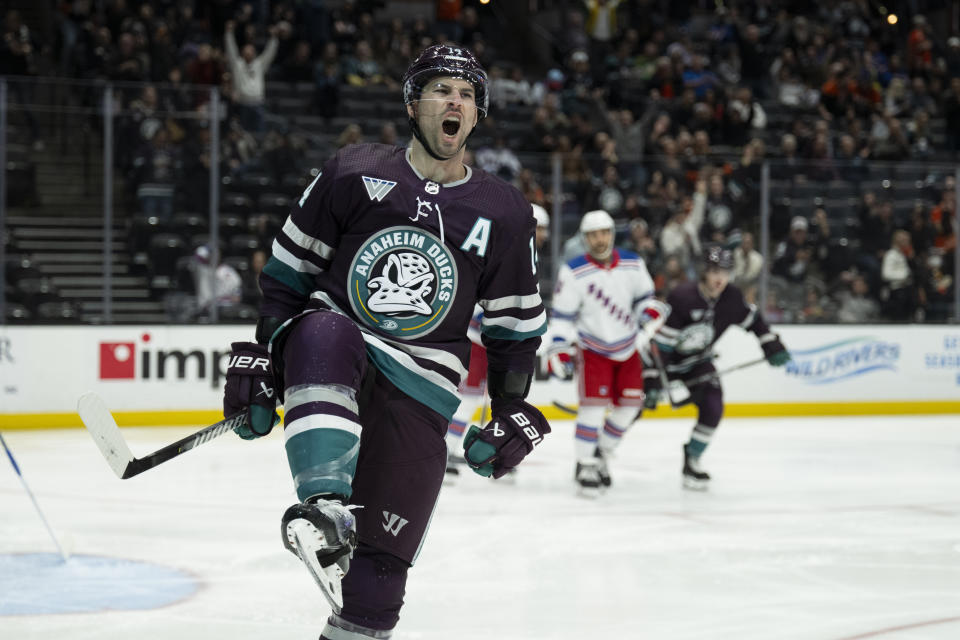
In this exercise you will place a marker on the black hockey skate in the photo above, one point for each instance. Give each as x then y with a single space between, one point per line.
694 477
323 534
587 477
603 469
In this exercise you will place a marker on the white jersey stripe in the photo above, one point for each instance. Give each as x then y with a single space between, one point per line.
309 243
292 261
512 302
515 324
320 421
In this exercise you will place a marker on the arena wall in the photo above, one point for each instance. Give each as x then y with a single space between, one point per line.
173 375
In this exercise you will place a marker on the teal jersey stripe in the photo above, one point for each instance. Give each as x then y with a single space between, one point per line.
299 282
413 384
502 333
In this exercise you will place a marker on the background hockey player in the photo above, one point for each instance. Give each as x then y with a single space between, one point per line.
601 302
367 297
700 312
473 388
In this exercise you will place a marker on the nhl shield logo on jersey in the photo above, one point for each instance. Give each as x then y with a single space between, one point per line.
402 281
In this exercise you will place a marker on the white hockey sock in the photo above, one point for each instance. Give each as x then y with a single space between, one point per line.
589 421
615 426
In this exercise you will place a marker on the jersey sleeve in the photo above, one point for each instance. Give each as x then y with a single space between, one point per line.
751 319
303 248
644 287
565 309
513 313
668 335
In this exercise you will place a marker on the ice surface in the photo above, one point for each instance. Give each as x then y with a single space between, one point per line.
825 528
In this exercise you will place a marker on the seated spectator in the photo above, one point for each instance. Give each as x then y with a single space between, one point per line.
641 242
698 78
157 168
856 304
888 141
327 77
499 159
680 236
299 66
817 308
936 289
794 256
215 283
744 117
362 69
672 275
899 284
852 162
351 134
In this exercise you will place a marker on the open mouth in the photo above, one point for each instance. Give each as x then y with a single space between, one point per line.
451 126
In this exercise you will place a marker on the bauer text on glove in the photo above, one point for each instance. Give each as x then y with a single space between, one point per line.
249 383
516 428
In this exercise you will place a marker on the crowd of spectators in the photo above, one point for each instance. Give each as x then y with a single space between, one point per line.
661 113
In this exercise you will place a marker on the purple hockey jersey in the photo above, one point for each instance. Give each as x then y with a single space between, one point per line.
407 259
695 324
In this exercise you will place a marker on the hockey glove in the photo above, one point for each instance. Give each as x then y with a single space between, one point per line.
652 389
517 427
775 353
560 356
250 384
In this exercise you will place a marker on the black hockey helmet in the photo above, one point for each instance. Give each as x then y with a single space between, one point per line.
717 257
447 60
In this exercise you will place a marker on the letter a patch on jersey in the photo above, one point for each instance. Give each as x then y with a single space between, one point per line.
377 189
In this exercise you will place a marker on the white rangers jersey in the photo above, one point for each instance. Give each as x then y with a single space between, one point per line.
598 306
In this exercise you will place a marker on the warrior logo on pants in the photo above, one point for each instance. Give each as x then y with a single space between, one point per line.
402 281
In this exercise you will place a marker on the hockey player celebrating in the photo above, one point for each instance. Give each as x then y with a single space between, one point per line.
472 388
363 336
601 303
700 312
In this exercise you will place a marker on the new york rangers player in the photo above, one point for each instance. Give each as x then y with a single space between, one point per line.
700 313
367 297
602 301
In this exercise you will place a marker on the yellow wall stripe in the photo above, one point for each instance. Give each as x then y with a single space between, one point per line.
17 421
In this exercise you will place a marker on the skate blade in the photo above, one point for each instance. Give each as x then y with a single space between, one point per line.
692 484
303 535
591 493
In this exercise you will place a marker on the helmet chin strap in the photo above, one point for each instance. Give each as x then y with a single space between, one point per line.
418 134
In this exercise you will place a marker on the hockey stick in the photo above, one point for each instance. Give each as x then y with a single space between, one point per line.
564 407
717 374
664 382
33 499
105 432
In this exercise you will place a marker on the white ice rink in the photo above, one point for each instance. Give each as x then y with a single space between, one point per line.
833 529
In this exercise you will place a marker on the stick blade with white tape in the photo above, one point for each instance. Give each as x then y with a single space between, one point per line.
103 428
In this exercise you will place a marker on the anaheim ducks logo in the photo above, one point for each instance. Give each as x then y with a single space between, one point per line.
402 281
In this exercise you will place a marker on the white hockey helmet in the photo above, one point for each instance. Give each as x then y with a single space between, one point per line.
596 220
541 215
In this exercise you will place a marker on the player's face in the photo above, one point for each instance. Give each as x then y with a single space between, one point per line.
715 281
446 113
599 243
